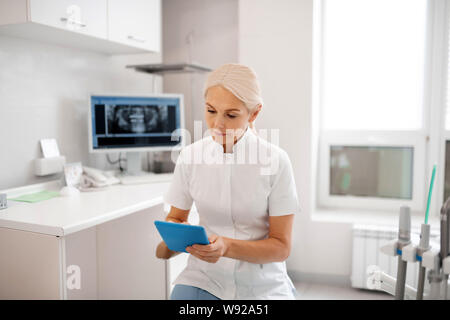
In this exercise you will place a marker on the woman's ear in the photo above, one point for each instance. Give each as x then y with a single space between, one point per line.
255 113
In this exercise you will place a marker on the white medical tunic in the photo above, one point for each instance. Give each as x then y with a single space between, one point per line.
235 193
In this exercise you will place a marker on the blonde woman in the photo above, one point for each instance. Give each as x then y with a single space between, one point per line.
247 211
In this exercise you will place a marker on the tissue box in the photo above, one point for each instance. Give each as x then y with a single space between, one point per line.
46 166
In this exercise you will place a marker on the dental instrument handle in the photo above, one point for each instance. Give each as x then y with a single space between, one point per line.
401 279
445 220
404 226
404 238
424 245
445 212
421 282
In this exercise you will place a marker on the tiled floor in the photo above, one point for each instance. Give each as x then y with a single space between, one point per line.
310 291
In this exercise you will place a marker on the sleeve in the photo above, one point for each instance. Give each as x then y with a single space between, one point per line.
178 194
283 195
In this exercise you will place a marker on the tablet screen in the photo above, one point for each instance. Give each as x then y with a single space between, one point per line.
178 236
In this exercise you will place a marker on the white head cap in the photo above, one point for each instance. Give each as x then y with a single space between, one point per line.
240 80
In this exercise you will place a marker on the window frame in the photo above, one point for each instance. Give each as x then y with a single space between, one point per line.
372 139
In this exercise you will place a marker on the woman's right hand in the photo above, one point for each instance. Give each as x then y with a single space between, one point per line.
163 252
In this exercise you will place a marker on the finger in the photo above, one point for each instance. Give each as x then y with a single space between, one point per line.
204 248
208 247
208 253
199 256
213 238
203 254
197 252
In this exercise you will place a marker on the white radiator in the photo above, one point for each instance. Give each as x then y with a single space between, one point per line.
367 241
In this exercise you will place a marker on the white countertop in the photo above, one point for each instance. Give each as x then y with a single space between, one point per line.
61 216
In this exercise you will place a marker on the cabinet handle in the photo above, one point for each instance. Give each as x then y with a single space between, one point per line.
81 24
136 39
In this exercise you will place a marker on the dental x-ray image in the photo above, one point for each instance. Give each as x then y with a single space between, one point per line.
137 119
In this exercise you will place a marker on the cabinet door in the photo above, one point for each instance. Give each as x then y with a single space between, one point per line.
30 266
136 23
83 16
126 261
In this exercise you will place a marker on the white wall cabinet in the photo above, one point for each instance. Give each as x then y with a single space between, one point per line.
83 16
108 26
135 22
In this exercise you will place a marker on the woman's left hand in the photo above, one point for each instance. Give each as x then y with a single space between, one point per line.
211 252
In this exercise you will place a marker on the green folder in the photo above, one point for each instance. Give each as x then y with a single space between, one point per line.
36 197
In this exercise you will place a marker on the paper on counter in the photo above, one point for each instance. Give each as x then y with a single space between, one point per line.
36 197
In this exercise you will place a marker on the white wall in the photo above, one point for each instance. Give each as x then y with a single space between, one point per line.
276 39
44 94
204 32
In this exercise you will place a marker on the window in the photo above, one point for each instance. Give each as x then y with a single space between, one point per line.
377 102
384 172
373 64
374 170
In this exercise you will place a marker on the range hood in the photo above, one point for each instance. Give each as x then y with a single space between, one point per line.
163 68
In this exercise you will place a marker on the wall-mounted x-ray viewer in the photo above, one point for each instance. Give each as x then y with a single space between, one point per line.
136 123
379 172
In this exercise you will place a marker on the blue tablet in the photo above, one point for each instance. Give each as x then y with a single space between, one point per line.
178 236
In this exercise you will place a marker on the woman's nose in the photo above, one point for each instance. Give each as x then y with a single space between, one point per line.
219 123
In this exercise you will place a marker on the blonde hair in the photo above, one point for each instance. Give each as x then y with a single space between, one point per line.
241 81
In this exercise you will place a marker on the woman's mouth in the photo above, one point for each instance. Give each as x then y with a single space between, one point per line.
219 133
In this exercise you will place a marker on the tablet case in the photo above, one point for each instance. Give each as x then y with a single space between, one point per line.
178 236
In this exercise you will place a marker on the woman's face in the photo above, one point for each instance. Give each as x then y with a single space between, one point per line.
226 116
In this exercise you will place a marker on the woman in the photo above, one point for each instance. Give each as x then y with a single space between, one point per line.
247 210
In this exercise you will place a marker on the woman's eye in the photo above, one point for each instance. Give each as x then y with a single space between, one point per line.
228 115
